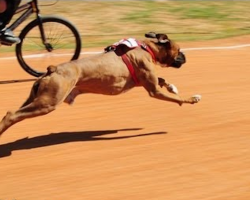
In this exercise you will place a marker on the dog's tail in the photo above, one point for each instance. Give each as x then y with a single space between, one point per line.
50 69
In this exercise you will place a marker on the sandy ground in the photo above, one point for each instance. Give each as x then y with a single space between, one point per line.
132 147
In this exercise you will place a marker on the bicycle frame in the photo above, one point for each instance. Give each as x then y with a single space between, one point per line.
30 7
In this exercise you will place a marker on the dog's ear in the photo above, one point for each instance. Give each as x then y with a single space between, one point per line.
162 38
150 35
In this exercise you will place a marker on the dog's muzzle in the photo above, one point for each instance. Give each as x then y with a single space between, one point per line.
179 61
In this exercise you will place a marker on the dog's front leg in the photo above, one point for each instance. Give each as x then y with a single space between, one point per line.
152 86
160 95
170 87
176 99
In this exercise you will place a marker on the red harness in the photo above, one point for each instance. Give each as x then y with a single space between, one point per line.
129 64
130 68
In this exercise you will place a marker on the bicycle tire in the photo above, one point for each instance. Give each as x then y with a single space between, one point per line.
35 23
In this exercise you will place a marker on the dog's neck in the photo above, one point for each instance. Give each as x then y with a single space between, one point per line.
149 50
154 48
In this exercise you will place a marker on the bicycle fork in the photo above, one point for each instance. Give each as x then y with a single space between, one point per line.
47 45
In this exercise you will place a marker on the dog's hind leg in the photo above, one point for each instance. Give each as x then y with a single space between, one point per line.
36 108
72 95
32 95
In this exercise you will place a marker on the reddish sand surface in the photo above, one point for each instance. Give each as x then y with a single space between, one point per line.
133 147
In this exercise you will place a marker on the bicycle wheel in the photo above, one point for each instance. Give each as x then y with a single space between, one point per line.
63 43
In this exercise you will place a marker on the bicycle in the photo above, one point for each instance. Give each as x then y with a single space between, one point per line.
44 39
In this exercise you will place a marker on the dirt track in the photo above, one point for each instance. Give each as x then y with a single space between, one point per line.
132 147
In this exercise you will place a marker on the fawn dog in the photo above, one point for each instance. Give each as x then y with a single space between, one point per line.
119 68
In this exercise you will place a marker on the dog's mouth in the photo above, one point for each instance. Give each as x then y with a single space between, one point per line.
179 60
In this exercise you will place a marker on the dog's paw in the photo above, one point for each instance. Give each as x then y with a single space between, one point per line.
196 98
173 89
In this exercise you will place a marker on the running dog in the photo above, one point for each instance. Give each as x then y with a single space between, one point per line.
119 68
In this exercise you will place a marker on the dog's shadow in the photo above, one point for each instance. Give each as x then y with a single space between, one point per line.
65 137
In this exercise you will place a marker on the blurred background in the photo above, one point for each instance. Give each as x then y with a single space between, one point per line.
101 23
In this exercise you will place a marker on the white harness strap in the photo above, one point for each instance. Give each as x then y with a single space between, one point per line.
130 43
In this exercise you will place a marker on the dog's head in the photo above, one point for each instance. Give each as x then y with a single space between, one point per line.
166 51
